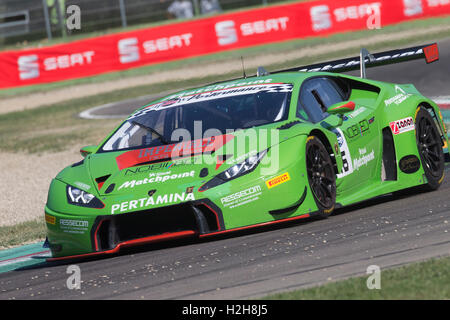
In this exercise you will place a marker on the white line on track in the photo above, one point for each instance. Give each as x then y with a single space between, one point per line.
28 257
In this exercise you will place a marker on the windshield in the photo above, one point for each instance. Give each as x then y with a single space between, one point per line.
211 113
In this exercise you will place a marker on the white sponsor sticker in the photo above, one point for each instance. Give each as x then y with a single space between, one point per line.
347 166
364 158
402 125
242 197
73 226
156 178
400 96
148 202
216 94
28 67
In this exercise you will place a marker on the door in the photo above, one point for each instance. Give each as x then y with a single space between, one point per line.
357 145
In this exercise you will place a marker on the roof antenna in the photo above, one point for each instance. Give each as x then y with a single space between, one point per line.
243 68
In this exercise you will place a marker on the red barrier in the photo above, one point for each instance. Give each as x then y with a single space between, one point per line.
207 35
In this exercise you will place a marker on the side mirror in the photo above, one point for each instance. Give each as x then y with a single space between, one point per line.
85 151
341 107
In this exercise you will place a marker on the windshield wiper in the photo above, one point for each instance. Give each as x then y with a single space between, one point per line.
161 137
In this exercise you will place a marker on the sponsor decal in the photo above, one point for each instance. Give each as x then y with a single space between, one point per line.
336 148
264 26
167 43
156 178
145 203
82 185
347 166
242 197
73 226
400 96
128 50
68 60
278 180
151 167
358 129
402 125
50 219
176 150
28 67
227 33
409 164
364 158
216 87
215 94
412 7
322 19
356 12
357 112
242 157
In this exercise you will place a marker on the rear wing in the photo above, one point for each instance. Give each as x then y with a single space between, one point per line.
365 60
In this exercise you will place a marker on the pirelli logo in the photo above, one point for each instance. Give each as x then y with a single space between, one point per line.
278 180
50 219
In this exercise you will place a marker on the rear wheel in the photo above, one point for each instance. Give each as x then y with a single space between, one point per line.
430 148
321 176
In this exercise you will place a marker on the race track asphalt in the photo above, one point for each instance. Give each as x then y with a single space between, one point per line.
388 231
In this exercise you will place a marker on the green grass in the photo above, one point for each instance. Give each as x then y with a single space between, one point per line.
52 128
248 53
419 281
29 231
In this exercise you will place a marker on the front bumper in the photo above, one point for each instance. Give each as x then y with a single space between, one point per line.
83 235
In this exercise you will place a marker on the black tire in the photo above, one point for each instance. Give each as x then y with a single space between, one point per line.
321 176
429 145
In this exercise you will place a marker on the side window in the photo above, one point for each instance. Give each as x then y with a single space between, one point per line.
316 95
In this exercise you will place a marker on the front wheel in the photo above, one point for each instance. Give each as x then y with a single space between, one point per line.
430 148
321 176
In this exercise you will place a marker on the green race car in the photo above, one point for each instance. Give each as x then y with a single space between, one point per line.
249 152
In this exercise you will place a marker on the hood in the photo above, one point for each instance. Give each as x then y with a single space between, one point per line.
141 171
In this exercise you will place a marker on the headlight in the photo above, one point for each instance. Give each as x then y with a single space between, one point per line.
81 198
235 171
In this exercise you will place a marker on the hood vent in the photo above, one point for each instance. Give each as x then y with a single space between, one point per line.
101 180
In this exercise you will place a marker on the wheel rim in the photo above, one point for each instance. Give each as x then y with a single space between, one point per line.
320 173
429 146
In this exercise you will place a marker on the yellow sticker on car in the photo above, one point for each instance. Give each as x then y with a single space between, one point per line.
50 219
278 180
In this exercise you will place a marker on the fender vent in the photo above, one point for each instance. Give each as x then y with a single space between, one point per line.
389 165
